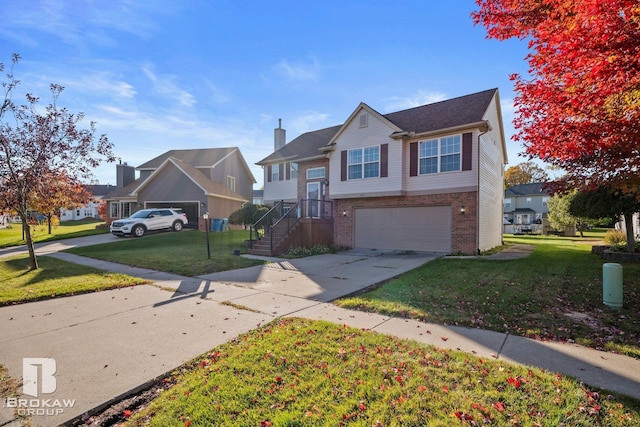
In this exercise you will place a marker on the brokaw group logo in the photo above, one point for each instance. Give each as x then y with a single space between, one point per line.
38 378
30 375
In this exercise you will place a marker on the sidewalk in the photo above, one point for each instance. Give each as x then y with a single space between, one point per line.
124 339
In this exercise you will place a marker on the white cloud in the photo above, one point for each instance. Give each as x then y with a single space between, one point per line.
217 94
421 97
165 85
299 71
508 107
82 23
99 83
306 122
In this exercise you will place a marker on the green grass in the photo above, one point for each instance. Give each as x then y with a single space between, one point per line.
554 294
54 278
13 236
183 253
295 372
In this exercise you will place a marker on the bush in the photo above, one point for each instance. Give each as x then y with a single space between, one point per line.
304 252
615 237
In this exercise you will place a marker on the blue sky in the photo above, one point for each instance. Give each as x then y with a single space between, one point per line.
157 75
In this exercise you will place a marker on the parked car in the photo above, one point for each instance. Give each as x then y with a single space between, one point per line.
148 220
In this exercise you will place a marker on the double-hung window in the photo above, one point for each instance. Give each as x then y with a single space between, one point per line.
440 155
231 183
364 162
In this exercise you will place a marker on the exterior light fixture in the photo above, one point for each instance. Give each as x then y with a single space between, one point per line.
462 210
344 213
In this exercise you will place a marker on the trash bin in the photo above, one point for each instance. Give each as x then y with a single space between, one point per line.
612 288
223 225
215 225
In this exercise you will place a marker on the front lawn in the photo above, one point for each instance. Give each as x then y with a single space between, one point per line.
54 278
183 253
13 236
295 372
554 294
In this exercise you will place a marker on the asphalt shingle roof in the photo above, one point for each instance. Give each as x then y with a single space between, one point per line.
199 157
431 117
531 189
306 145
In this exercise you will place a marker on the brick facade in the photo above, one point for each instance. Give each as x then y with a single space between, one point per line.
302 176
464 233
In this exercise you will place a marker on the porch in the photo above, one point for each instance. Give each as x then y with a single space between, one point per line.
307 223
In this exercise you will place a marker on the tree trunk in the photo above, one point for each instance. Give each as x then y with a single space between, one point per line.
628 224
26 231
49 216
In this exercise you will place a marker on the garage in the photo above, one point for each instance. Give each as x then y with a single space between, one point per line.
419 228
190 208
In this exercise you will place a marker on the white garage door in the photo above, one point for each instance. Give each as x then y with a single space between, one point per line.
406 228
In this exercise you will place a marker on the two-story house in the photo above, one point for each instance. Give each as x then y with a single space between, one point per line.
427 178
213 180
525 207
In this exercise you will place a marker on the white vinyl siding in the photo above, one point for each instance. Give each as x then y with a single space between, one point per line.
353 137
440 182
491 187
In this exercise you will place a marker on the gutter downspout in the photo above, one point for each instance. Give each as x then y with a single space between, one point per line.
478 193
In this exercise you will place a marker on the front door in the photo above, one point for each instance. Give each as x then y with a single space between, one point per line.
313 199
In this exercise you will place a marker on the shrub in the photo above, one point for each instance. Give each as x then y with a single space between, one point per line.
615 237
304 252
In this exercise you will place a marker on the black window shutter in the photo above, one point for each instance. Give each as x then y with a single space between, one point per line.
269 171
413 159
384 160
467 151
281 172
343 165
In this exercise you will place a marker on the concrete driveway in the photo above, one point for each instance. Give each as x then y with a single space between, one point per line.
324 277
106 344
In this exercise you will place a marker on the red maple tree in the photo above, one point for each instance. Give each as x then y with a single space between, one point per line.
57 191
579 108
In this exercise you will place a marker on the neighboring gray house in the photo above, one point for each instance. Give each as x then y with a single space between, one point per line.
213 180
525 207
428 178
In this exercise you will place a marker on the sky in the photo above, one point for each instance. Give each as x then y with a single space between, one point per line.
157 75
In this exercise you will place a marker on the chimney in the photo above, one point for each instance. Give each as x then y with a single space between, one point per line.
125 175
279 137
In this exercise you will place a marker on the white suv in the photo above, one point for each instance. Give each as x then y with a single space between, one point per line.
147 220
